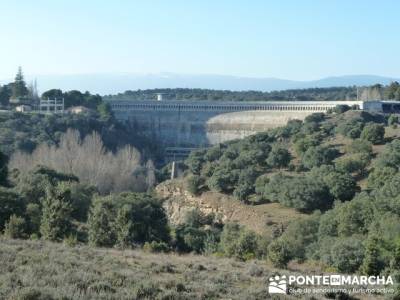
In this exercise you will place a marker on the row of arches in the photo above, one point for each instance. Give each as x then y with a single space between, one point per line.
222 108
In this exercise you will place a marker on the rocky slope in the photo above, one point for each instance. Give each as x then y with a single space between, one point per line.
263 218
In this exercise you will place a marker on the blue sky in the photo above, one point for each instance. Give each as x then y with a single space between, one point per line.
299 40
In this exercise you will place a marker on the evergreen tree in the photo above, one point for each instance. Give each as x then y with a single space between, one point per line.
372 265
57 209
3 169
19 89
100 223
123 227
395 263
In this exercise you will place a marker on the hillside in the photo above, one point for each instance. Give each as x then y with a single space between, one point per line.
43 270
262 218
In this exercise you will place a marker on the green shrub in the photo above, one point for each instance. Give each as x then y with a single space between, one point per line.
347 254
56 219
156 247
100 223
279 253
373 133
279 157
393 120
11 204
15 228
71 240
317 156
302 193
360 146
355 163
194 184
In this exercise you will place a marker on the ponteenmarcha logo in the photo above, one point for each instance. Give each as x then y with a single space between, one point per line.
277 285
334 282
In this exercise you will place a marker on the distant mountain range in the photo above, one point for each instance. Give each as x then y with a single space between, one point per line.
105 84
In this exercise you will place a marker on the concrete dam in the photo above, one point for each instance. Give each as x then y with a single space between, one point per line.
192 124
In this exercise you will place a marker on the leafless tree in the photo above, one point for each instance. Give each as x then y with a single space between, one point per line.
91 162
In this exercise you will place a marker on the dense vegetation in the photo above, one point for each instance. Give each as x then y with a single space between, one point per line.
341 169
317 94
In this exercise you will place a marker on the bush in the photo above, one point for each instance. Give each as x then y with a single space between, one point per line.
393 120
246 246
315 117
317 156
15 228
355 163
341 186
351 128
372 263
360 146
279 253
195 161
100 223
239 243
347 254
373 133
56 219
341 108
194 184
156 247
279 157
301 145
11 204
379 176
243 191
302 193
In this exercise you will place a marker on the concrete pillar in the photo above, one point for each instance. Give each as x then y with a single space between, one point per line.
173 171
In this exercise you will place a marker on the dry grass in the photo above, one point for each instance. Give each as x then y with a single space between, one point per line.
41 270
37 270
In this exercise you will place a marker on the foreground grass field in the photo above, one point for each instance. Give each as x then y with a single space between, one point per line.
41 270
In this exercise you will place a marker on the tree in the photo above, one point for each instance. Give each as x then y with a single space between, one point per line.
279 157
279 253
5 95
360 146
372 263
56 220
100 223
194 184
243 191
53 94
339 109
195 161
140 219
10 204
302 193
3 169
347 254
246 246
105 111
341 186
19 89
123 227
393 120
319 155
373 133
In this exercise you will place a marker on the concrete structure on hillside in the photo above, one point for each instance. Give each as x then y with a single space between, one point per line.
51 106
182 125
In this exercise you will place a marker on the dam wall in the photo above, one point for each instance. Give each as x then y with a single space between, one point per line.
195 124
